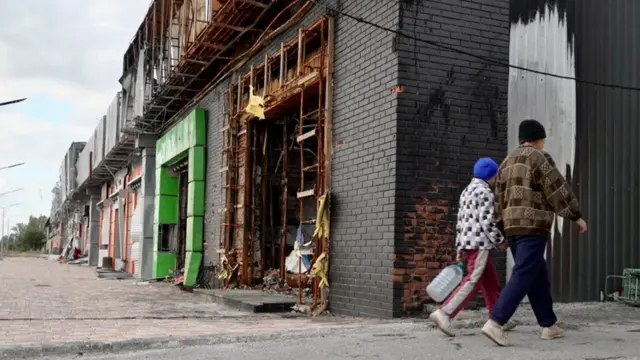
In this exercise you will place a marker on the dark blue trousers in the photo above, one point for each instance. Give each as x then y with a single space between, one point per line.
529 277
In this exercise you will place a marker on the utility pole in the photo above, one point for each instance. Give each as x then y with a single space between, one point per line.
2 239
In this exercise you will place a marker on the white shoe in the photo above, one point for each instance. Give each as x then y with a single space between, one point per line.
553 332
442 321
494 332
510 325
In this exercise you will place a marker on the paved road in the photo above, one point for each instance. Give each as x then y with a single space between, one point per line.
410 341
46 303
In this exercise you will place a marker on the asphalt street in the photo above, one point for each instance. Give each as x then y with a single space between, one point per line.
411 341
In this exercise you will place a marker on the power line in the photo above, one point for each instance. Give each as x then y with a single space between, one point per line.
485 59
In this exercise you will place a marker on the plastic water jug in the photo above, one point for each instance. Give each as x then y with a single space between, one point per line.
446 281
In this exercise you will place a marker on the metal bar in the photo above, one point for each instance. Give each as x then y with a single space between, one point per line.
254 3
228 45
153 45
251 76
196 61
162 44
285 198
303 194
239 94
265 181
253 203
283 65
267 75
245 217
210 45
232 27
300 52
228 177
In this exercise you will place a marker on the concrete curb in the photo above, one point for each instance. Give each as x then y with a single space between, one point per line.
86 348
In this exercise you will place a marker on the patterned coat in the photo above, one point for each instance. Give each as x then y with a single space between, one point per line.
477 228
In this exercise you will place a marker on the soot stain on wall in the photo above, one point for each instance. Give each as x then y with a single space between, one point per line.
525 11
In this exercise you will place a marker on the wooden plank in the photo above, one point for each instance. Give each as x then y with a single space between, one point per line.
306 193
226 168
306 135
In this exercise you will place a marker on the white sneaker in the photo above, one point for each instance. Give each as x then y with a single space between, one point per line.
494 332
553 332
510 325
442 321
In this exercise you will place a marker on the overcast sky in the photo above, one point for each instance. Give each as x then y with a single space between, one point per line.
65 56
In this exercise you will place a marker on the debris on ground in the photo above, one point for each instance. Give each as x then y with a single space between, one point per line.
112 275
271 280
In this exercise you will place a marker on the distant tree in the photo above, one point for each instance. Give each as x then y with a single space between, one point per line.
29 236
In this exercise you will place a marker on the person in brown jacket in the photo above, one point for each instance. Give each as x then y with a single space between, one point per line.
530 192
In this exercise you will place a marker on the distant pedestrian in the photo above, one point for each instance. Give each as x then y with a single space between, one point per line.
530 191
477 235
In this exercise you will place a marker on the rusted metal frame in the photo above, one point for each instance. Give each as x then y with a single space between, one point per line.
246 222
301 199
228 218
162 44
283 65
253 207
233 27
321 133
264 178
300 51
233 41
221 75
254 3
285 202
153 46
251 131
240 91
267 75
328 111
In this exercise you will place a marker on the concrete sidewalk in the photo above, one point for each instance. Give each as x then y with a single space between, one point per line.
46 304
48 308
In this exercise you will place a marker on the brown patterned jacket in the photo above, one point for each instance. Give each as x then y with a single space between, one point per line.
530 191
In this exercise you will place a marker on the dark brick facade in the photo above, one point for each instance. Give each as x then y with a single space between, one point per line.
452 111
408 123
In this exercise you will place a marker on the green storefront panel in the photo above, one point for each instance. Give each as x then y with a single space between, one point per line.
165 184
195 233
199 128
163 262
196 163
192 267
166 210
188 133
195 198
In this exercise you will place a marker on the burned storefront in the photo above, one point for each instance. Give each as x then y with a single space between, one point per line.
274 222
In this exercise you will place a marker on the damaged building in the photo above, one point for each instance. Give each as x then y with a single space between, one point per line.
280 144
293 145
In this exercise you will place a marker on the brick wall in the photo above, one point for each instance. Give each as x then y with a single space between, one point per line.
364 160
452 111
363 172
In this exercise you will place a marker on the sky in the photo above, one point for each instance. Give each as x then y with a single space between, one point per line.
65 57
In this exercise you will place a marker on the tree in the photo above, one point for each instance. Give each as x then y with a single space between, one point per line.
29 236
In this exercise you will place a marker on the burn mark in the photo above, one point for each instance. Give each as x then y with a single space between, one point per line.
525 11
